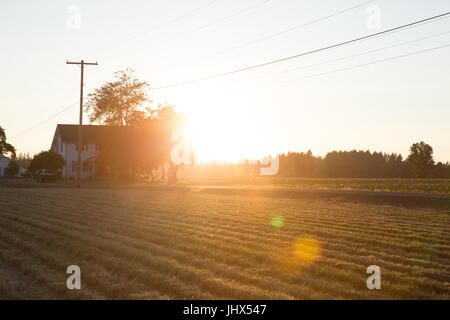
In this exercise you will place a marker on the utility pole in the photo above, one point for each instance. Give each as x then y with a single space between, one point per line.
82 64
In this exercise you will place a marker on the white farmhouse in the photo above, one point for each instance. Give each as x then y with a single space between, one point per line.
4 162
94 139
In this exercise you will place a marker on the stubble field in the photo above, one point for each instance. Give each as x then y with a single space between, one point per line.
162 243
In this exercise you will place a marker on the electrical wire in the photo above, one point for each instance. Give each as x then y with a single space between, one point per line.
340 44
366 64
42 122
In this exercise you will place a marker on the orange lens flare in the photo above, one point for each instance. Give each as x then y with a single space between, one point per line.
307 250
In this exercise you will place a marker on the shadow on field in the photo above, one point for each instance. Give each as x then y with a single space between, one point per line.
408 200
402 199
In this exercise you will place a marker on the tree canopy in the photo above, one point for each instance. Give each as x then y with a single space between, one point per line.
151 142
46 160
123 103
117 103
13 167
421 157
364 164
4 146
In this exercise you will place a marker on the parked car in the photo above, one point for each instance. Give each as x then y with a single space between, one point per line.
26 174
45 175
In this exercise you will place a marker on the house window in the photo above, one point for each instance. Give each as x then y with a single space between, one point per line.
84 145
85 166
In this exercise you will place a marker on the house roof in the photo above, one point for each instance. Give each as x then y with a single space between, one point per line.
92 133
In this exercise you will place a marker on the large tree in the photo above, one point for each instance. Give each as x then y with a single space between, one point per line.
169 144
4 146
151 144
46 160
122 103
421 157
117 103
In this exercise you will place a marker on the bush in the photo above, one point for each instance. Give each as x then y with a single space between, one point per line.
13 168
46 160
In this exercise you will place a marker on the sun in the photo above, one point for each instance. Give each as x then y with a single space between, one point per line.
214 139
219 129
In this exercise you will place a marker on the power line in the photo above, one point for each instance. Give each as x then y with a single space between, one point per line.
185 15
340 44
209 24
347 57
366 64
292 57
254 6
61 111
285 31
180 17
42 122
276 34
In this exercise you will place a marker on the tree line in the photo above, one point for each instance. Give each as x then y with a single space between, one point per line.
364 164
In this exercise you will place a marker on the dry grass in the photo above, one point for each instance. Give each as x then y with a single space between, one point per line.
438 186
150 243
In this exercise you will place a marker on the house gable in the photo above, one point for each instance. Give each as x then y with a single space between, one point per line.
95 138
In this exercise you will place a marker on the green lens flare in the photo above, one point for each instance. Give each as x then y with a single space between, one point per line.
277 222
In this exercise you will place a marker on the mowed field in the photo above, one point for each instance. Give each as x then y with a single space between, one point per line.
162 243
435 186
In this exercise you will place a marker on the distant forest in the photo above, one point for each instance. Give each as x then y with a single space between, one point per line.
359 164
336 164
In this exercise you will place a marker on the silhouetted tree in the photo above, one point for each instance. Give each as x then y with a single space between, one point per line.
394 165
441 171
23 160
46 160
116 103
300 164
344 164
4 146
13 167
421 157
158 133
147 145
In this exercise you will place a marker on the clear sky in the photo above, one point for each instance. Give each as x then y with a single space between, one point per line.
381 107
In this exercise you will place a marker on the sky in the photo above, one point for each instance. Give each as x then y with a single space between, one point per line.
297 105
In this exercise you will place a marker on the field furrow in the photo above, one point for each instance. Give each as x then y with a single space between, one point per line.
165 244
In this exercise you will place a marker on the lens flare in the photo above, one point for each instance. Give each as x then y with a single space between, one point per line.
307 250
277 222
